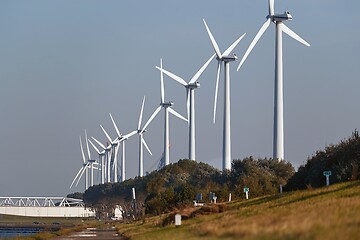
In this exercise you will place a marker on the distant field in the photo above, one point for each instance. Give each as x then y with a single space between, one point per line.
326 213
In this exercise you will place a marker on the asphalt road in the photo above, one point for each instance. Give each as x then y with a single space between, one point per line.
94 234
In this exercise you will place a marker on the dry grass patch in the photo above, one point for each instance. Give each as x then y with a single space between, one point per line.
326 213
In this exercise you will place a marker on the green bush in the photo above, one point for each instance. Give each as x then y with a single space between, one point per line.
343 160
262 176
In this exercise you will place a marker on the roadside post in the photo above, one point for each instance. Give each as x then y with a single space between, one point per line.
246 191
327 174
134 202
177 220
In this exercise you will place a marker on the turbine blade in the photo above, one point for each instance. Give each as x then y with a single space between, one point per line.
93 145
146 146
216 88
87 145
254 41
115 156
116 128
72 183
82 172
130 134
141 114
82 151
172 111
201 70
271 7
173 76
157 110
232 46
162 92
98 142
292 34
213 42
106 134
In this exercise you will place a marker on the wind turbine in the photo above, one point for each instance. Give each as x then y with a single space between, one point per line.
122 139
142 142
113 158
101 160
86 164
190 101
226 58
167 109
107 159
277 19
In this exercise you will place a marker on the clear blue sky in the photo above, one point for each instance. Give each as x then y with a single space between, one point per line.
64 65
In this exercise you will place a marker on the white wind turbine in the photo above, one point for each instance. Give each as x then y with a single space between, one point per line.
190 102
86 164
277 19
113 156
226 58
107 153
167 109
101 161
142 142
122 139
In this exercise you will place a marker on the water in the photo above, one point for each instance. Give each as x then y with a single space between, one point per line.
17 231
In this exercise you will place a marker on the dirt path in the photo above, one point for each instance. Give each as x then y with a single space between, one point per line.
93 233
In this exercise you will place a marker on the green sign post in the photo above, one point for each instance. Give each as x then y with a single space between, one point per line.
246 191
327 174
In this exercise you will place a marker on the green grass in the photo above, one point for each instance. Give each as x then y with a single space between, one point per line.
326 213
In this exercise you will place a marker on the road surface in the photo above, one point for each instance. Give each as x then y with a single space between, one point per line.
94 234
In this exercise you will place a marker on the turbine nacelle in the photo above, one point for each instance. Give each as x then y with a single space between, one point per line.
193 85
286 16
140 131
229 58
168 104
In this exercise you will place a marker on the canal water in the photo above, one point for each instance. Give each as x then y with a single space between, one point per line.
17 231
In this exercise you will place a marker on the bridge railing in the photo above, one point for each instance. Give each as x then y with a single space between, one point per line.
40 202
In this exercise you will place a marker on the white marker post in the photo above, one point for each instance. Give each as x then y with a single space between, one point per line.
133 194
246 191
327 174
134 201
177 220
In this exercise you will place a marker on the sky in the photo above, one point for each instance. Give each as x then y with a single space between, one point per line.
65 65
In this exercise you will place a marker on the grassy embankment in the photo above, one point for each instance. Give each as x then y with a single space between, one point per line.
326 213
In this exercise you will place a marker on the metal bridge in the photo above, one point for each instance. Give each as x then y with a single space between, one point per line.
40 202
44 207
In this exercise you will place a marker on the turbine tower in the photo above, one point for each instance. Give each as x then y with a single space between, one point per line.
114 152
277 19
85 167
101 161
226 58
107 152
167 109
90 161
190 102
122 139
142 141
